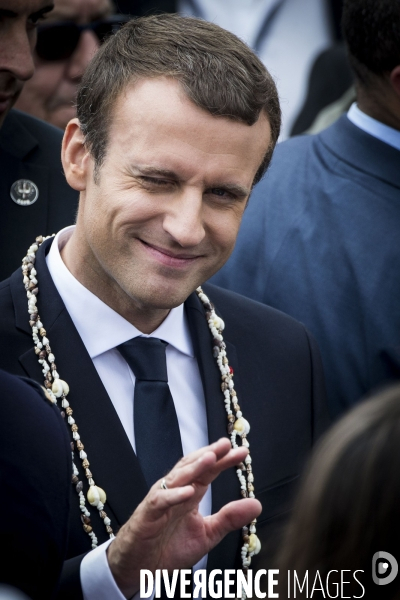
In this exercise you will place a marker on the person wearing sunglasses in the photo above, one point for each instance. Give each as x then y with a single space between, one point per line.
66 41
33 191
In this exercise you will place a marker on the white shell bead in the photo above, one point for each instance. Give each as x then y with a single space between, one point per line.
242 426
96 495
59 388
254 544
218 322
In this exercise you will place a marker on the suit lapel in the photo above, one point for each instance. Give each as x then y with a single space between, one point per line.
226 487
110 453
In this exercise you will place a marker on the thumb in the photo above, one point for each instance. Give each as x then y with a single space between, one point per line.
234 515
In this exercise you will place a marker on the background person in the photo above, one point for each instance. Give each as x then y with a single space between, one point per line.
347 508
33 192
35 481
66 41
319 239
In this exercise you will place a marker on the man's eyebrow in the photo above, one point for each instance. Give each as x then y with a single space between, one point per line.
9 14
42 11
155 171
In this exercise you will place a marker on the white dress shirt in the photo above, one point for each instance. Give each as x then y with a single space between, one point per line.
298 31
382 132
101 330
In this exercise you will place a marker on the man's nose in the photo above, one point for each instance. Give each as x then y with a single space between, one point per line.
184 220
16 49
83 54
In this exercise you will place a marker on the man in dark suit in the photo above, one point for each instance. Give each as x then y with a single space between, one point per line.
35 476
142 364
33 190
320 237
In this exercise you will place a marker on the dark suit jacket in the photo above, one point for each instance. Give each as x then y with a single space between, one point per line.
320 241
35 479
279 381
31 149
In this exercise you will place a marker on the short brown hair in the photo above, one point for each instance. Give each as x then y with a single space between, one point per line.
218 72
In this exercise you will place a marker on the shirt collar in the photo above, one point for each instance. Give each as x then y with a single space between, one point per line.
382 132
100 327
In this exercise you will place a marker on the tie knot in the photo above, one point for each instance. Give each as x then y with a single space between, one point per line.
146 357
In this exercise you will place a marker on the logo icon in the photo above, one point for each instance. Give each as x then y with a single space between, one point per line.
384 568
24 192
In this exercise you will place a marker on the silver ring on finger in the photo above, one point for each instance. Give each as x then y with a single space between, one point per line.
163 485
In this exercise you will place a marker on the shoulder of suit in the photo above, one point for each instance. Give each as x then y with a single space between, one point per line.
26 138
240 307
5 284
14 384
38 128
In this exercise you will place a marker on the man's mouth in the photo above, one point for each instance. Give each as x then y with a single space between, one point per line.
169 257
6 100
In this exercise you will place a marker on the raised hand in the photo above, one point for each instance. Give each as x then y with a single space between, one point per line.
166 531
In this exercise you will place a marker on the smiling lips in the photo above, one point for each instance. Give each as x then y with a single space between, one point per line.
5 100
169 258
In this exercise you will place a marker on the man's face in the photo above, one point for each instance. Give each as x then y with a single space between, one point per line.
51 93
164 214
18 20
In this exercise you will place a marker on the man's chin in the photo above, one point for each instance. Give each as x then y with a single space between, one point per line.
163 297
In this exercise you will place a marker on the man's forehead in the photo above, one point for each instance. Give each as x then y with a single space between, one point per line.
155 118
25 7
80 10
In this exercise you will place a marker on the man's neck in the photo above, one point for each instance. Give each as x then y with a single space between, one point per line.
381 104
84 269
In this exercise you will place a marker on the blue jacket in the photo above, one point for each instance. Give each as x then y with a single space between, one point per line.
320 240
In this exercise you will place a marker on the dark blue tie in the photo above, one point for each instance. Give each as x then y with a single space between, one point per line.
157 436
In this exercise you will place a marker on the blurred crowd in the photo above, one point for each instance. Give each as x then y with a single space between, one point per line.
318 241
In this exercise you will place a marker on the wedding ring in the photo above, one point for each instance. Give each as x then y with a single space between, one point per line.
163 485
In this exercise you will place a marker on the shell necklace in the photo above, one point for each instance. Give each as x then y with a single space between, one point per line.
58 388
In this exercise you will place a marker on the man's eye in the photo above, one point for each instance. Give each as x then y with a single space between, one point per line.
37 18
221 193
154 181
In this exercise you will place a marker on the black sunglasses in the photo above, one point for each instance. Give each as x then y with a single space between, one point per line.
58 41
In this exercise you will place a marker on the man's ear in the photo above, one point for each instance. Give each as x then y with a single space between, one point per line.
75 157
395 80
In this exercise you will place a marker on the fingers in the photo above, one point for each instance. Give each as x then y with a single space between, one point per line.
219 448
204 465
160 500
232 516
191 476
